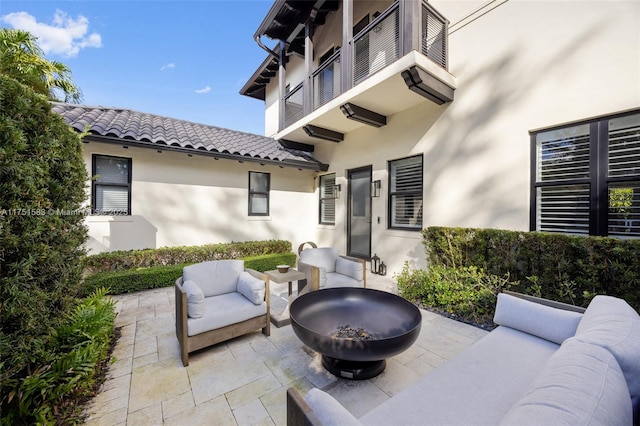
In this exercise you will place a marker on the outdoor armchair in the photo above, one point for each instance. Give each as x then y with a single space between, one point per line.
217 301
325 268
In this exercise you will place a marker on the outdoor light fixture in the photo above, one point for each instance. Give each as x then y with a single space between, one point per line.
383 269
375 188
322 133
375 264
336 189
363 115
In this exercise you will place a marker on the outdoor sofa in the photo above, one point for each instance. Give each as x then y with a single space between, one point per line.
544 365
217 301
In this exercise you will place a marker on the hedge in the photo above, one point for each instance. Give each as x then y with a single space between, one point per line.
567 268
133 259
133 280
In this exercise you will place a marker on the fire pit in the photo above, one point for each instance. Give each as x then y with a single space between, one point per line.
355 329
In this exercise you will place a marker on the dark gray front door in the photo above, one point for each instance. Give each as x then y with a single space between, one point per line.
359 213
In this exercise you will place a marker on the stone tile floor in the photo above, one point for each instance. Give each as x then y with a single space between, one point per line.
243 381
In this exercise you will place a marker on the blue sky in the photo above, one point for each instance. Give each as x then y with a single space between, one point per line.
182 59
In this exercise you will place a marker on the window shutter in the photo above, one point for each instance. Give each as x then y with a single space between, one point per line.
624 146
563 154
327 199
112 170
406 192
112 199
563 209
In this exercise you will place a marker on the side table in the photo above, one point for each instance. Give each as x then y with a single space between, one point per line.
279 277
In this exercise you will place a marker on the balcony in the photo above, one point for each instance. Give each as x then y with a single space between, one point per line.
396 61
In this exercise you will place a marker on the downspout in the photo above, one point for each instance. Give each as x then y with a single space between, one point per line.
258 40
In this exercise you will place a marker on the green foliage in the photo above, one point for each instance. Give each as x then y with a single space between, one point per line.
52 392
41 174
22 59
464 292
133 280
570 269
133 259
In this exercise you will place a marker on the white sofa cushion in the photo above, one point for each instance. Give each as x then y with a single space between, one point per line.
552 324
323 257
329 411
195 299
223 310
611 323
215 277
349 268
582 384
335 279
251 287
476 387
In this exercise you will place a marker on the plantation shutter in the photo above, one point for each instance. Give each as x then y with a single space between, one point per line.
112 185
258 194
624 163
563 166
405 187
327 199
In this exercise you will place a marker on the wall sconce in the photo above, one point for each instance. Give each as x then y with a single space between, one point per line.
375 264
375 188
336 191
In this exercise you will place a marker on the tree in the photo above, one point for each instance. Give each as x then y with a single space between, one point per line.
22 59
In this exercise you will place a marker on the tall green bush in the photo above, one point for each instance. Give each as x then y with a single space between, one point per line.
566 268
42 180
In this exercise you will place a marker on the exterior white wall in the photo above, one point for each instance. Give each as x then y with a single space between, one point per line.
523 66
181 200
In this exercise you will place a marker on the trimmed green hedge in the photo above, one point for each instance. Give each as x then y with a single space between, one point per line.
571 269
133 280
132 259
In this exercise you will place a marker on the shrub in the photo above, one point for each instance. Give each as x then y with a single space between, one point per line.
133 280
132 259
466 292
570 269
53 391
42 180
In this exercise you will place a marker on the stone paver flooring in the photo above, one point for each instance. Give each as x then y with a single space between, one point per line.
243 381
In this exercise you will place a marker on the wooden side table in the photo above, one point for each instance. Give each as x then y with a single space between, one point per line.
287 277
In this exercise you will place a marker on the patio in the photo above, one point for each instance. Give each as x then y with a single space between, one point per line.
244 381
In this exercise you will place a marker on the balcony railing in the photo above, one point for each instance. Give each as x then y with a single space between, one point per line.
327 81
377 46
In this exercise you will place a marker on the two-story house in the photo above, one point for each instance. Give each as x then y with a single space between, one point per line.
505 114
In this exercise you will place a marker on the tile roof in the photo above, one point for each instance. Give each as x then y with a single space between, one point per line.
158 132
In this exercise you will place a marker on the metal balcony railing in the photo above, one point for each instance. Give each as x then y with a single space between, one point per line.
377 46
294 105
327 81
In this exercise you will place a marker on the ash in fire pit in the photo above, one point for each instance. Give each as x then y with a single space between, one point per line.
348 332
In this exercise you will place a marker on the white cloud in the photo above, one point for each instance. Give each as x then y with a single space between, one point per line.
170 67
205 89
64 36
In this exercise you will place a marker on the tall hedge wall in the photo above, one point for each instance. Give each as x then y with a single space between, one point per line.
42 181
562 267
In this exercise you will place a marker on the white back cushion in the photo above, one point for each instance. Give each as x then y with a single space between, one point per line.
324 257
552 324
215 277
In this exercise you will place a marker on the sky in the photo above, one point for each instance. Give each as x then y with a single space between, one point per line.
181 59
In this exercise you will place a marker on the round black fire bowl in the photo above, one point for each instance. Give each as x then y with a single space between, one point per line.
390 323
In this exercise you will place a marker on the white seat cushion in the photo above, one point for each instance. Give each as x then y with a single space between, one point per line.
215 277
338 280
223 310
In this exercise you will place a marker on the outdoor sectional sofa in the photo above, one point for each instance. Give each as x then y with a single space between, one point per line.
544 365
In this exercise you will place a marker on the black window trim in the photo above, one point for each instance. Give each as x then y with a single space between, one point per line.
391 194
598 179
252 192
95 183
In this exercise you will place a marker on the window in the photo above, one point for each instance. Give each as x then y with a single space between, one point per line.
586 178
405 193
259 194
328 199
111 188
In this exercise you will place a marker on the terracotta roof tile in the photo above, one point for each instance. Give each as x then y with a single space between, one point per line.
128 125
